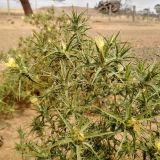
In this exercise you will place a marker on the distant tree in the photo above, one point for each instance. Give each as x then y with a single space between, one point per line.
157 8
26 7
146 11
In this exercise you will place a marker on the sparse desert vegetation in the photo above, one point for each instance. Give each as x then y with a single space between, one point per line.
71 92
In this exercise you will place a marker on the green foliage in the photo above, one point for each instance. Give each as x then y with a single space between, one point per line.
93 100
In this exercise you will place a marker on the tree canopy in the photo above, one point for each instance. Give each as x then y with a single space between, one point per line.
157 8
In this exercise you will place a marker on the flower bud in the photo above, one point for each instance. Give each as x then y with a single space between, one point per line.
100 43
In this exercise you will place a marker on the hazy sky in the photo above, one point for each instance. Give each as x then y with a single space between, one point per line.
145 3
139 3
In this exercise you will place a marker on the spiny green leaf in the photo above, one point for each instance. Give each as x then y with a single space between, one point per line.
68 125
78 152
62 142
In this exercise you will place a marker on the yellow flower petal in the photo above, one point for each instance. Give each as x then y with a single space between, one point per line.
49 29
157 145
11 63
34 100
81 136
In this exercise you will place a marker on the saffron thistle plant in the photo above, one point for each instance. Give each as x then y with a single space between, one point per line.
93 99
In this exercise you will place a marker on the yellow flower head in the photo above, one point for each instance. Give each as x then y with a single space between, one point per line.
78 135
131 122
81 136
135 124
49 41
49 29
11 63
100 43
120 67
157 145
34 100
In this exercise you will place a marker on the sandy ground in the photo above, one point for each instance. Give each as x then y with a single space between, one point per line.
11 29
8 129
142 36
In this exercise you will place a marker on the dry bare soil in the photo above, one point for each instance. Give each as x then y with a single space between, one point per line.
143 36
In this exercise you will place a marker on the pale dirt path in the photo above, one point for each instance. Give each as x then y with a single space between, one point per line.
11 29
9 133
139 35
